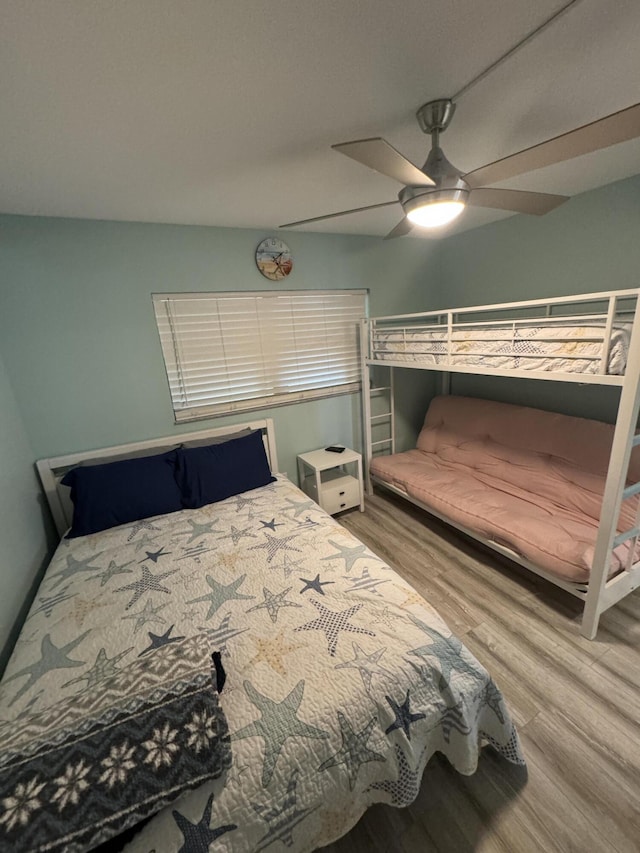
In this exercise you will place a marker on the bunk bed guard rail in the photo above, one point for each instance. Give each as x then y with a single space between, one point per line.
586 334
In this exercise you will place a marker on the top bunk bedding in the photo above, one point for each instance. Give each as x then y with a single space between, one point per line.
341 682
561 348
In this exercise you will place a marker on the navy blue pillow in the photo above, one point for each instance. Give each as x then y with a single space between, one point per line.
209 474
117 492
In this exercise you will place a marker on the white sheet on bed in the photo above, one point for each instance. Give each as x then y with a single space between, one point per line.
342 681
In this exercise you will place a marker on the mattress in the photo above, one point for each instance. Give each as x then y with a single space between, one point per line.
524 478
559 540
341 680
553 347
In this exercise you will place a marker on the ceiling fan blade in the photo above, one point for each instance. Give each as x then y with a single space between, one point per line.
403 227
519 201
382 157
617 127
339 213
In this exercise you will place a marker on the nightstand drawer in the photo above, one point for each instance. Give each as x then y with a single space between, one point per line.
328 478
336 493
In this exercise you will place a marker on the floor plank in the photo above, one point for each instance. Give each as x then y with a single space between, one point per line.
600 790
576 704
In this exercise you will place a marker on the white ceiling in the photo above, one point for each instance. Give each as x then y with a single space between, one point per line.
222 112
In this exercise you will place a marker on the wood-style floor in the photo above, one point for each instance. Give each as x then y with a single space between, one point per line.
576 703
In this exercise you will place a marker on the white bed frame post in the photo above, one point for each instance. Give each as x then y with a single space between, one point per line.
392 408
365 376
366 353
606 343
445 383
601 593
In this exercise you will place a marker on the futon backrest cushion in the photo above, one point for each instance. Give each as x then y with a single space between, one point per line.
558 457
585 443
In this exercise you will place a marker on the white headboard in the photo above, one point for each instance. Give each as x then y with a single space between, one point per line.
52 470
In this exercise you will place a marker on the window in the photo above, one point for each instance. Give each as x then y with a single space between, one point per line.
231 352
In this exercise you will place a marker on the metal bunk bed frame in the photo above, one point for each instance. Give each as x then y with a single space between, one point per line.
601 592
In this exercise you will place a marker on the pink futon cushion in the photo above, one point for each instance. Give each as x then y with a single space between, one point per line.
527 479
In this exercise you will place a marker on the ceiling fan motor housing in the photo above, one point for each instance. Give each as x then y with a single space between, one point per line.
440 170
449 183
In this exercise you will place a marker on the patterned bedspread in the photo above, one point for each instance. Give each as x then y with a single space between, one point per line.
341 680
555 347
92 765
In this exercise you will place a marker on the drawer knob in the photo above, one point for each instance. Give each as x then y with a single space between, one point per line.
342 493
342 505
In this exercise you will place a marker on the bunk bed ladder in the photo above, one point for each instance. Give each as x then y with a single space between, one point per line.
602 593
369 420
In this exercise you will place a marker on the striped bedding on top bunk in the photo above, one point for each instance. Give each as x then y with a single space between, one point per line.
557 348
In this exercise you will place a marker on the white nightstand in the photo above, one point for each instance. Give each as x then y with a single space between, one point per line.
324 476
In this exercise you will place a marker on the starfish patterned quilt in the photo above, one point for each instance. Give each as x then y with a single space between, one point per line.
341 683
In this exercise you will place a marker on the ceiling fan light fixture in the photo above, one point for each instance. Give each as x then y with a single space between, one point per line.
436 213
434 209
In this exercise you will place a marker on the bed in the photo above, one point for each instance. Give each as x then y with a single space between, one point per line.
341 681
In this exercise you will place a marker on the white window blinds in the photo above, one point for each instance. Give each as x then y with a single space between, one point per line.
227 352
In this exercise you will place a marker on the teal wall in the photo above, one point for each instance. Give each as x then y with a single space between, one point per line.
23 544
591 243
83 350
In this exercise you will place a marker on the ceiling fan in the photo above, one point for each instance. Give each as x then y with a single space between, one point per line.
438 193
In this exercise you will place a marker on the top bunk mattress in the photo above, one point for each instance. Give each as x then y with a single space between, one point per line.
558 348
